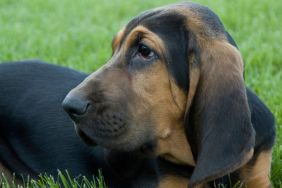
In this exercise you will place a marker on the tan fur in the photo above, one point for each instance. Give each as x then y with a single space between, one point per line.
257 175
178 95
173 181
219 53
175 147
194 22
221 66
166 114
193 80
165 99
117 39
147 36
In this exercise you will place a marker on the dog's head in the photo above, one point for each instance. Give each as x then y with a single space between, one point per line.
174 71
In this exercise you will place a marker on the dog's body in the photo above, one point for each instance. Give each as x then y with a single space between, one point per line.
175 85
37 136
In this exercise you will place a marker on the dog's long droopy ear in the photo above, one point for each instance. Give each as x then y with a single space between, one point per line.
218 118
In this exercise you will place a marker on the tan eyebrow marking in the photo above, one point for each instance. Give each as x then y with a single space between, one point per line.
147 36
117 39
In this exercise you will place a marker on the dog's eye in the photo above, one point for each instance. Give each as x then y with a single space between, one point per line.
145 51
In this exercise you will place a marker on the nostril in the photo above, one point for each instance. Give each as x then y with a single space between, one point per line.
77 111
75 106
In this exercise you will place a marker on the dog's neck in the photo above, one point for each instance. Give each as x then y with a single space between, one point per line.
173 146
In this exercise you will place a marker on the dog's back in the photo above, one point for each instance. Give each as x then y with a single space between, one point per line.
30 99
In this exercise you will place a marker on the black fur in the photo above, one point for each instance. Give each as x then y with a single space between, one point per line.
263 123
37 136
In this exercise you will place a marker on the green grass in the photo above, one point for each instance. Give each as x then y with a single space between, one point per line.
63 180
78 34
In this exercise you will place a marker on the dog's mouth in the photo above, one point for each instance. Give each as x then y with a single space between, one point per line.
105 125
124 142
93 136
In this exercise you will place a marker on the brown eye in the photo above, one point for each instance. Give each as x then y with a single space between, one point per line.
145 51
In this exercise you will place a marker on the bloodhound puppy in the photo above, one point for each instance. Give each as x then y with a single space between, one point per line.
37 136
174 87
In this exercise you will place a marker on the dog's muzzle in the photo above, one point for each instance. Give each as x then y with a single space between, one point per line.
94 120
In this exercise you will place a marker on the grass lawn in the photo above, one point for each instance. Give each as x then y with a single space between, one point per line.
78 34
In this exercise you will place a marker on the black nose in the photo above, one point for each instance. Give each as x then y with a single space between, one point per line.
75 106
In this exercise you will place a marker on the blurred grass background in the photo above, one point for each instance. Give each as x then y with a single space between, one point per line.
78 34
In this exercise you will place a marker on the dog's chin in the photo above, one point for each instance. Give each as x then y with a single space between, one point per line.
125 142
89 141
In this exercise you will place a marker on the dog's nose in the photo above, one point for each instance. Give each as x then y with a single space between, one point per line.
75 106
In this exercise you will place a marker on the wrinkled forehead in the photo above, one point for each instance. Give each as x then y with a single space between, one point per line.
191 16
162 22
158 21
